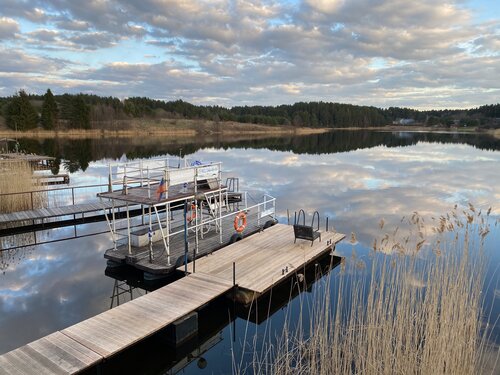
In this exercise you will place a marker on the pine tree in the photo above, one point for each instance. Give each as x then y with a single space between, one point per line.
80 113
49 111
20 114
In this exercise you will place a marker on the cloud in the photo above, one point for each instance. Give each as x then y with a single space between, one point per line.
93 40
272 52
44 35
8 28
15 61
72 25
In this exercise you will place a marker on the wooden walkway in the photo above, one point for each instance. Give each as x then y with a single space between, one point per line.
88 343
45 213
261 258
262 261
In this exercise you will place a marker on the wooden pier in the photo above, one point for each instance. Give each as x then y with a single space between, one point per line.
47 213
37 162
261 262
51 179
88 343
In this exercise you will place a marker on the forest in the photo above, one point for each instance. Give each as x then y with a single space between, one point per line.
24 111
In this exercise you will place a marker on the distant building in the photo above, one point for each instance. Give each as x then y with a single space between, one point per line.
406 121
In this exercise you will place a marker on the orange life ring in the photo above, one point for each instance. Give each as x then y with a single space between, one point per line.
192 216
240 217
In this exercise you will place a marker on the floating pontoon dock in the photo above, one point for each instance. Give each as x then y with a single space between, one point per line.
211 220
37 162
253 265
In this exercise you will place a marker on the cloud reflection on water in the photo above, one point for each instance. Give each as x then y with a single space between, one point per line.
59 284
358 188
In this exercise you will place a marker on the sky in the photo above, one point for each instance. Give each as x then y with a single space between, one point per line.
423 54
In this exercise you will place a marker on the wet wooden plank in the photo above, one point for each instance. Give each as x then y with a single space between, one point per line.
53 354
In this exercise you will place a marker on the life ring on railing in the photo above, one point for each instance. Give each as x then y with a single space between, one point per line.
240 217
192 215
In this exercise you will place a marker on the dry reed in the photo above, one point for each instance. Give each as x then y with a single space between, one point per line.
16 177
414 313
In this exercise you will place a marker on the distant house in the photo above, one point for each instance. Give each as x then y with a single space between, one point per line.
406 121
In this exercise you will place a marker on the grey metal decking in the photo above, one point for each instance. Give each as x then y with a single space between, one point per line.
139 258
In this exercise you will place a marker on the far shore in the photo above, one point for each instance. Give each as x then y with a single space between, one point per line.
192 128
168 128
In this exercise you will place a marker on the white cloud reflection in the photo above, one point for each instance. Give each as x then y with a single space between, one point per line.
56 285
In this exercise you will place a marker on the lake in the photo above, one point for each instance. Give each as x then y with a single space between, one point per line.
354 178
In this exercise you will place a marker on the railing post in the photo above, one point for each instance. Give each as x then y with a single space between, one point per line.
128 232
234 273
110 179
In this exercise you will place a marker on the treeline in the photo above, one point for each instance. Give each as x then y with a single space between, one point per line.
24 111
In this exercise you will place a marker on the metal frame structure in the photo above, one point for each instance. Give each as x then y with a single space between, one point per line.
183 182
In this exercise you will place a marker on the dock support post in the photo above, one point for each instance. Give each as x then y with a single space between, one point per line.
128 232
150 237
234 273
185 239
110 180
196 230
114 218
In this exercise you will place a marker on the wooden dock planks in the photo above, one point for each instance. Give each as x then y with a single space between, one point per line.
87 343
116 329
260 261
45 213
53 354
261 258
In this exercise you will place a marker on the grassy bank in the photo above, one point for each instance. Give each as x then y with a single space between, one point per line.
165 127
418 310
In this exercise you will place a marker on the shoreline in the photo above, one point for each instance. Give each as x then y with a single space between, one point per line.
185 129
191 129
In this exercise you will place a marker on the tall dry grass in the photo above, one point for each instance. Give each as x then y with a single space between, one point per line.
16 177
419 310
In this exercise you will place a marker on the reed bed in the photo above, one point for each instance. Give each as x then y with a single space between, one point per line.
16 177
416 310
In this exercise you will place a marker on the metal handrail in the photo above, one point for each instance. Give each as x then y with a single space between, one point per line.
55 189
201 224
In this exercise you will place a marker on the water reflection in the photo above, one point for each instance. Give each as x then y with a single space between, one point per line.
159 356
77 154
356 179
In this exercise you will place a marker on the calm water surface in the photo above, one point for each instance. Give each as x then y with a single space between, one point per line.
354 178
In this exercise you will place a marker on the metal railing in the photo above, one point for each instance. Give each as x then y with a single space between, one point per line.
62 196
